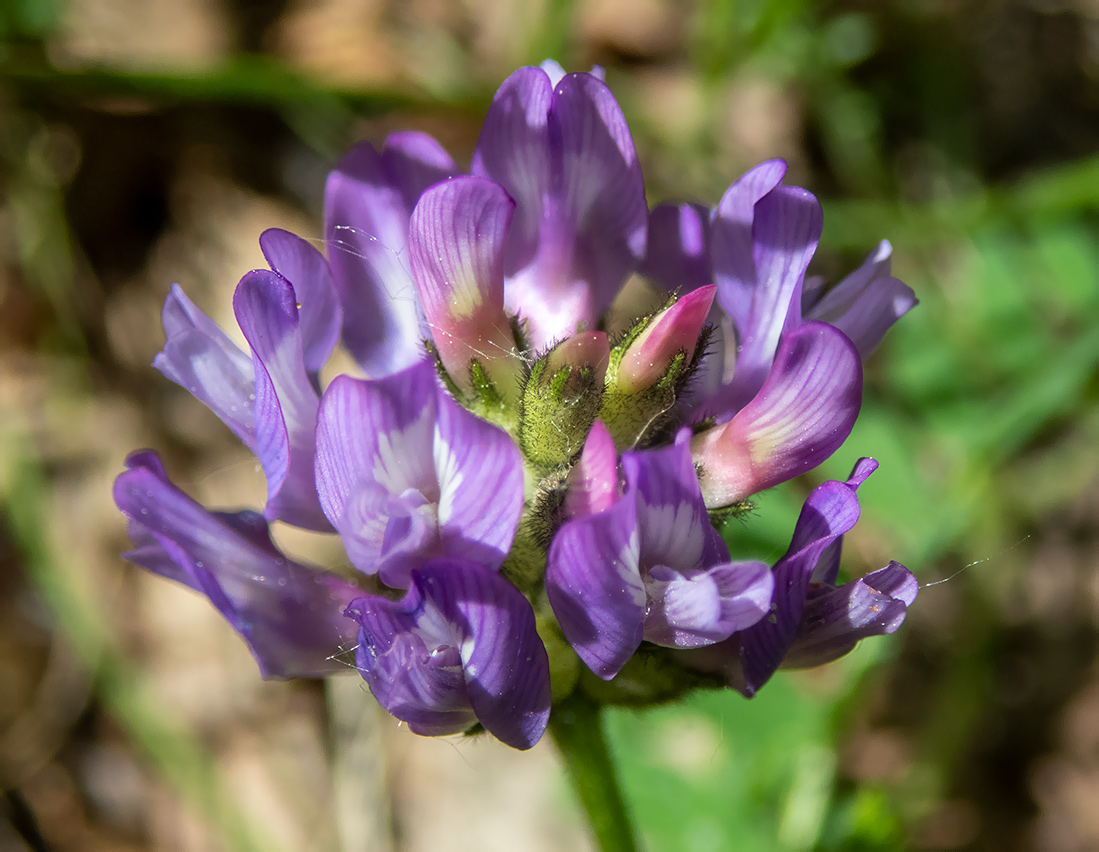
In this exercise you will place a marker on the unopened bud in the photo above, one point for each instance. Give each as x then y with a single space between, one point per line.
651 365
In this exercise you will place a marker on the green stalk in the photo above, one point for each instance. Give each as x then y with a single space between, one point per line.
576 726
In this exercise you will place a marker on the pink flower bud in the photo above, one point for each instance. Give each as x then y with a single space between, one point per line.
673 331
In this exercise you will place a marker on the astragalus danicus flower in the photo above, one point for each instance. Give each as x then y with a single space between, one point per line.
527 499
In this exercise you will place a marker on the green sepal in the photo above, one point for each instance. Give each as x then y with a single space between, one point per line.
449 383
633 418
739 509
639 418
556 412
652 676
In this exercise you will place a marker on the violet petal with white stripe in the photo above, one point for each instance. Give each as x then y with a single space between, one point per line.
651 567
785 230
368 200
457 238
565 154
836 619
286 402
829 511
319 309
198 356
731 238
405 474
802 414
460 647
593 582
290 615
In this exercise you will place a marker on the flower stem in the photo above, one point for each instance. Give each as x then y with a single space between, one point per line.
576 725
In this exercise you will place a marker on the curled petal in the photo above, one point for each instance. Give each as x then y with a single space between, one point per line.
593 583
835 619
691 609
198 356
405 474
368 200
674 527
460 647
375 442
286 402
290 615
318 305
866 303
802 414
828 565
829 511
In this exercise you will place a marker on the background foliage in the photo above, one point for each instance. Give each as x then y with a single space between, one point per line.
148 142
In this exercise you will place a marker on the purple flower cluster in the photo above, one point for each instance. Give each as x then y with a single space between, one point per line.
526 501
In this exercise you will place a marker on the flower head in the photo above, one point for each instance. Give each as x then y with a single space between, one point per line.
518 491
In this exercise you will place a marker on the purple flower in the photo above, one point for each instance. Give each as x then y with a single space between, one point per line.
651 567
270 399
289 614
458 236
560 147
406 474
756 246
812 620
460 648
367 203
802 414
509 469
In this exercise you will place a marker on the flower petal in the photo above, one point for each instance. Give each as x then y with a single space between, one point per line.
318 305
514 150
802 414
731 236
593 480
480 473
785 232
593 583
565 155
375 442
828 565
836 619
677 255
696 608
286 403
291 616
866 303
200 357
461 646
674 526
674 331
601 184
829 511
368 200
397 453
457 237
